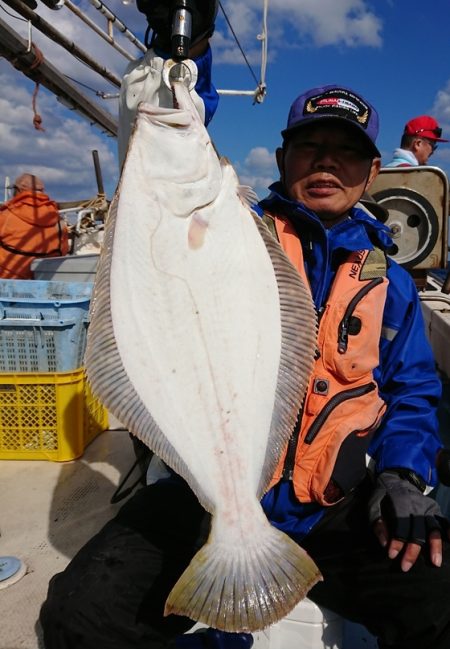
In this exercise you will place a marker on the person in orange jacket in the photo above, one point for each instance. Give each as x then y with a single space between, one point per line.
30 228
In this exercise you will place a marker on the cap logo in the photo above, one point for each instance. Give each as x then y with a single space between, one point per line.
340 103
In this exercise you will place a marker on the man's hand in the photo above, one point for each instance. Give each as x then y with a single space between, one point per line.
404 519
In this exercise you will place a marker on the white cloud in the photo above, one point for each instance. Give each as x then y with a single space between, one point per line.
295 23
62 154
347 22
441 106
261 159
258 170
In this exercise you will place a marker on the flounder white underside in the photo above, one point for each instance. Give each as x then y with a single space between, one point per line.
202 332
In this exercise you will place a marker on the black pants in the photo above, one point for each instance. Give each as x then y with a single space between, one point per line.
112 594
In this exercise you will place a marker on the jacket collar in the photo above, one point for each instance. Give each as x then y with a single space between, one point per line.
369 231
403 156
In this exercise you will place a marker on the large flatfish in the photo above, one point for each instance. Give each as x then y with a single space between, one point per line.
201 342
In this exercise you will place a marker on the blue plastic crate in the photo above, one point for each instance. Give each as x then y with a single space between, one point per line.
43 325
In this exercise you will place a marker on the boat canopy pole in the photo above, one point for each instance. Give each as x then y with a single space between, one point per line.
56 36
15 49
112 21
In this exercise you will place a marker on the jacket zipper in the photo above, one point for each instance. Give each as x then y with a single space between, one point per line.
335 401
289 462
288 466
343 325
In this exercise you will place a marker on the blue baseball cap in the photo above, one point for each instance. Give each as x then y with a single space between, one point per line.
334 103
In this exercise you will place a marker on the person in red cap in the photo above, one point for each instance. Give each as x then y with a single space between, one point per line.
30 227
418 143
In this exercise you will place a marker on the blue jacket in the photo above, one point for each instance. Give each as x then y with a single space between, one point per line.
204 86
408 436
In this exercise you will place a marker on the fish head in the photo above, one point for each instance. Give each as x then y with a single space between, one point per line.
171 156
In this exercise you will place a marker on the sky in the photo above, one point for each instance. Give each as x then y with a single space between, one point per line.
393 52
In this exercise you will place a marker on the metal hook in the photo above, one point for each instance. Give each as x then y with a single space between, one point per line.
30 42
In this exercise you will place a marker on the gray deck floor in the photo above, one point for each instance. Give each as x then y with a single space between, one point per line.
47 511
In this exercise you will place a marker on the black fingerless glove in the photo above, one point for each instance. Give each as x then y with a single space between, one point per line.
398 499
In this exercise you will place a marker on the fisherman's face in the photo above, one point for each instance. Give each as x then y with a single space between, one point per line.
327 167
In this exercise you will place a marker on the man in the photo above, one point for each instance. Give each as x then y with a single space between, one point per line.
351 486
30 228
418 143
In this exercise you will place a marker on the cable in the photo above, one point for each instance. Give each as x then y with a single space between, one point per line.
80 83
238 44
24 20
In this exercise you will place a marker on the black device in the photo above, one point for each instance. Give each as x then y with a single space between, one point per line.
443 466
181 33
51 4
169 19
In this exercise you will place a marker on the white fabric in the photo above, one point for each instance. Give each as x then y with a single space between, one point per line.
403 157
143 81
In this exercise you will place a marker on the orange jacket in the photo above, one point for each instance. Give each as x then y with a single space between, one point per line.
326 456
30 227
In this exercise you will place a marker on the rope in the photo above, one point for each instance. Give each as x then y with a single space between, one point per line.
99 203
94 208
38 59
260 92
263 37
37 119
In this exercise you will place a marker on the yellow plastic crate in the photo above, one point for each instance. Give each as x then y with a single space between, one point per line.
48 416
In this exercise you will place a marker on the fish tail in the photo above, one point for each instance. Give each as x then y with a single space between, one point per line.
239 589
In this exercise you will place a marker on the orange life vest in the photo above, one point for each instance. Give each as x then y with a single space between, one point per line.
326 456
30 227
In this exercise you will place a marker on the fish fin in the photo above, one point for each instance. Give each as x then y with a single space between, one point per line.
248 196
107 375
236 590
246 193
298 346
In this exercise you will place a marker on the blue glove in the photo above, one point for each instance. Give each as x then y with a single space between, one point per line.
409 514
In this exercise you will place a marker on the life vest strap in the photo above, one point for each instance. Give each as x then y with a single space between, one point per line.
25 253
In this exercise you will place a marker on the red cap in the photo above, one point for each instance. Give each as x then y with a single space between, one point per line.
424 126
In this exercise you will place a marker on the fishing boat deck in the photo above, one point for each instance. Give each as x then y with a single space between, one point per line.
48 510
